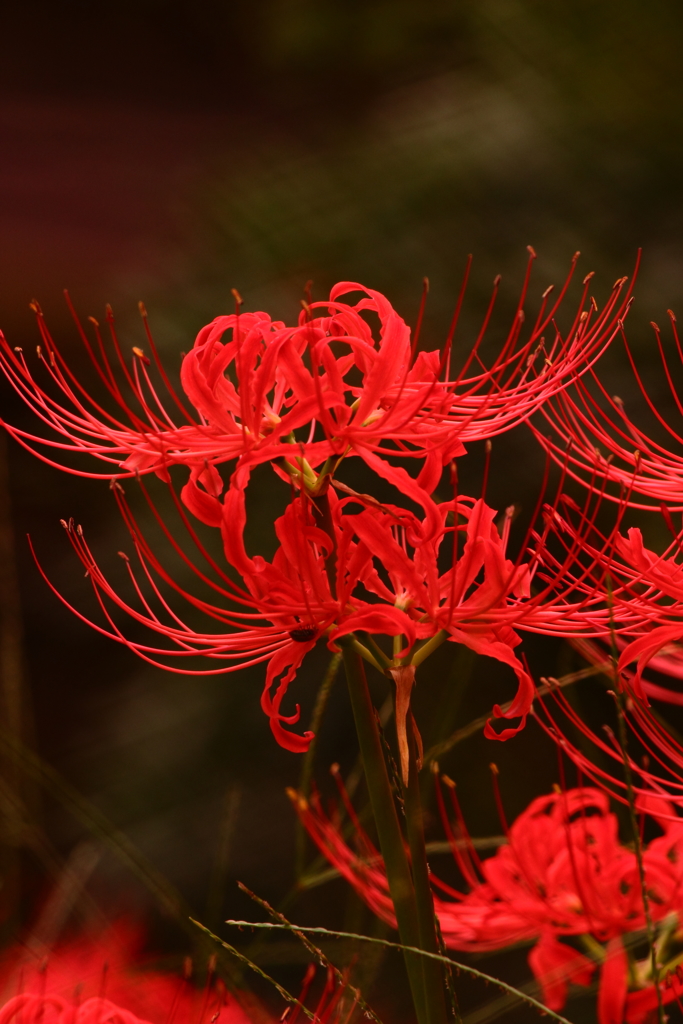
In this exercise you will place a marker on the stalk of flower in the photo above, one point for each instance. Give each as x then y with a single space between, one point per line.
562 880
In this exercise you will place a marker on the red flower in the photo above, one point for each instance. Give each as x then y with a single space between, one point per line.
562 875
369 568
555 965
380 570
247 397
98 980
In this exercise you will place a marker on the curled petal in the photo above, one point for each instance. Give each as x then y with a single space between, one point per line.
644 649
378 619
288 658
203 501
521 702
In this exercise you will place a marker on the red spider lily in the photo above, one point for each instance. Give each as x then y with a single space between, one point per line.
377 402
562 874
402 403
657 581
592 433
381 571
653 581
97 979
246 397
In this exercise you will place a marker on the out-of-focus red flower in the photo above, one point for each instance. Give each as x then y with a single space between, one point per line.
97 979
563 880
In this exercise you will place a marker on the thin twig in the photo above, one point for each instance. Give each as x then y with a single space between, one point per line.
226 832
313 950
622 737
311 881
543 1010
254 967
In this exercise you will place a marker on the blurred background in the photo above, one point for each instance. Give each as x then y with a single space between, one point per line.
173 151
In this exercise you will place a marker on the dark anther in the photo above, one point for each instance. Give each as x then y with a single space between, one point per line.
302 634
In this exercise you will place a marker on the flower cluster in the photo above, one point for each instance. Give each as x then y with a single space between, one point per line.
307 400
390 575
562 880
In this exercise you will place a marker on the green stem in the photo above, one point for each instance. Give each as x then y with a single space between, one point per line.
322 514
630 792
377 652
309 756
434 979
628 777
366 654
387 823
422 652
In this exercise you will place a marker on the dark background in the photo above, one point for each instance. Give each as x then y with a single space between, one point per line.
173 151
